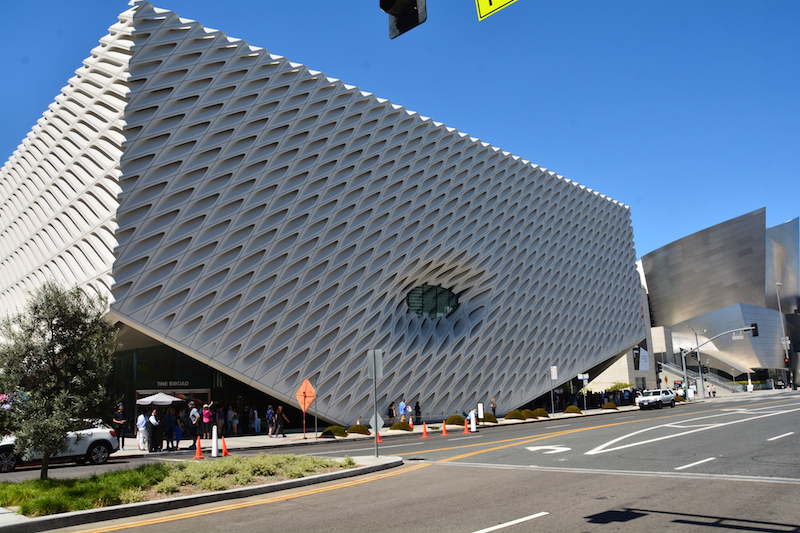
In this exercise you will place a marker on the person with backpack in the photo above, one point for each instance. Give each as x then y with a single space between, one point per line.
269 416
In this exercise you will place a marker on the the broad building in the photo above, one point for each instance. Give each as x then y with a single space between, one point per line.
275 224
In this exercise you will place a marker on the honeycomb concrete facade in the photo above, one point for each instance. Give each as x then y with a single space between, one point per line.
270 222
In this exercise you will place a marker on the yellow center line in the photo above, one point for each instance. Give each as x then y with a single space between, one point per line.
242 505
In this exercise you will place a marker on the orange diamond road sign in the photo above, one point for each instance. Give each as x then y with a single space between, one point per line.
490 7
305 395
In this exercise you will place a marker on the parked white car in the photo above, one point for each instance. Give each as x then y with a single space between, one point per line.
98 441
656 398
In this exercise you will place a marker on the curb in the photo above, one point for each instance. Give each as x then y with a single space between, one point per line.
76 518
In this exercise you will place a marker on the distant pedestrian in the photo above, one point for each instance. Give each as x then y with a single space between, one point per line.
493 407
713 391
220 420
270 417
256 421
169 429
194 424
152 431
119 421
280 421
207 416
391 413
141 431
402 409
417 414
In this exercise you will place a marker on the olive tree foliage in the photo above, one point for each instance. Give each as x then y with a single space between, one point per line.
55 360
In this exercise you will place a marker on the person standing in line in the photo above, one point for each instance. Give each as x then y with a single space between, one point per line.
207 415
493 406
220 420
270 417
181 428
235 422
152 431
417 414
119 421
402 409
391 413
280 421
229 419
169 428
194 424
256 421
141 431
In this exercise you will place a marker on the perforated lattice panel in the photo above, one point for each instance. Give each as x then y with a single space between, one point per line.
272 222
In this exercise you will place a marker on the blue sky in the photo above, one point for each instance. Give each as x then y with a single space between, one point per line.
686 111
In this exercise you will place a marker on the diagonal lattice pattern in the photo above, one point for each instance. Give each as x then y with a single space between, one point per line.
272 222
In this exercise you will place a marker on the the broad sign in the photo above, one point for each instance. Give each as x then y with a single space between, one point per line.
490 7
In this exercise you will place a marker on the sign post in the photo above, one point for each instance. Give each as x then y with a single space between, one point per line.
585 379
375 365
553 377
305 397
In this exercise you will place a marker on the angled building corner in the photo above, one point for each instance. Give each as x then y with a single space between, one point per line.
275 224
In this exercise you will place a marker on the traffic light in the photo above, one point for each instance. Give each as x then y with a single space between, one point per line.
658 367
754 331
404 15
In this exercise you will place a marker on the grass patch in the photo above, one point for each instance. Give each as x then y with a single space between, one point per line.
51 496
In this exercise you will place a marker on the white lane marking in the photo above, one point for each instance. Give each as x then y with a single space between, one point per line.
781 436
512 523
695 464
605 448
560 426
552 449
462 438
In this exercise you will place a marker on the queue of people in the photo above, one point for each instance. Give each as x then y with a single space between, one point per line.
163 428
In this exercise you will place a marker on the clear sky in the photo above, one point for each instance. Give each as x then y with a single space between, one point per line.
687 111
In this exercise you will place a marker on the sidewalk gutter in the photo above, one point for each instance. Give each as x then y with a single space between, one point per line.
45 523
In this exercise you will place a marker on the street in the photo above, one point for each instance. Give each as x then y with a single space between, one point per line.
728 464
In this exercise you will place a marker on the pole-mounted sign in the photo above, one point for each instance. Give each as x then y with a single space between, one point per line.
490 7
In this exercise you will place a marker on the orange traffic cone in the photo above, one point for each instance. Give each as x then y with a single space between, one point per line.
466 429
444 429
358 421
380 441
411 422
198 454
424 430
224 448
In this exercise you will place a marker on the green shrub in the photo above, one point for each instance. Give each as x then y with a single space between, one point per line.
349 462
680 398
515 415
334 431
455 420
610 405
360 429
489 417
540 413
572 409
527 413
402 426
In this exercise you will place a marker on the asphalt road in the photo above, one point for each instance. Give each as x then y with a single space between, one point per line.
727 465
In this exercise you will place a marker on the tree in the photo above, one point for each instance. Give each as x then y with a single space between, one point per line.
55 359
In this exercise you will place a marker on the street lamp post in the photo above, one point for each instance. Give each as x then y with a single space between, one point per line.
778 285
699 362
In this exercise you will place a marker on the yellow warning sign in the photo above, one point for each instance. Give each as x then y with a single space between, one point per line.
490 7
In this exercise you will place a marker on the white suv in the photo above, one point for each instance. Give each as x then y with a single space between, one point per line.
656 398
98 441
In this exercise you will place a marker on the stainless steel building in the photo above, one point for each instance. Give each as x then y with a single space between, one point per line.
275 224
729 276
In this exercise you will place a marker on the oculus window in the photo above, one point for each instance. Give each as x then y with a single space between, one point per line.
430 301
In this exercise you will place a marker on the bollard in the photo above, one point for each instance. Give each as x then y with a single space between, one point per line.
214 444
